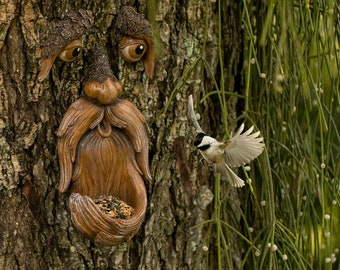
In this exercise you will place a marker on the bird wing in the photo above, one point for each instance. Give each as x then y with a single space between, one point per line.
243 148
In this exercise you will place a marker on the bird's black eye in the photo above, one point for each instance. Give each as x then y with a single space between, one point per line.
203 147
76 52
139 49
199 138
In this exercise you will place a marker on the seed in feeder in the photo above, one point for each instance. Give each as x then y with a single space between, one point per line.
114 207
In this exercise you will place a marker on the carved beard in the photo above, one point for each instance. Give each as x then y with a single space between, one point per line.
103 150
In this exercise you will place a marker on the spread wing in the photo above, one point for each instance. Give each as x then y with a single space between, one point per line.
243 148
79 118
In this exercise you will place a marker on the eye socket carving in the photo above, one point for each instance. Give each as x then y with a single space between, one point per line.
132 49
71 51
67 54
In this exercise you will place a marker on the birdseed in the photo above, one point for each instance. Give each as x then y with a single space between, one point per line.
114 207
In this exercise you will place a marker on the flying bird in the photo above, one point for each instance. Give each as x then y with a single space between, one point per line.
239 150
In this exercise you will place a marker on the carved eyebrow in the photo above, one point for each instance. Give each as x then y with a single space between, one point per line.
72 26
130 22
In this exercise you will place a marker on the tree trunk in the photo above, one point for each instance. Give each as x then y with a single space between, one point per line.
36 231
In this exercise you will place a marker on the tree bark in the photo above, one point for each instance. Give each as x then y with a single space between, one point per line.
35 227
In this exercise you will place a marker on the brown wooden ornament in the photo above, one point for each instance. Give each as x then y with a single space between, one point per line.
137 39
103 151
64 39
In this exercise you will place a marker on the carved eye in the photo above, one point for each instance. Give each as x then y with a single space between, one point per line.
71 51
68 53
132 49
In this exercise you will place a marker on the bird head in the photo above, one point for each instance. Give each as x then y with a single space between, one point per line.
199 138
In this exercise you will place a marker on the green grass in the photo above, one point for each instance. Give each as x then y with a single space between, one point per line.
292 94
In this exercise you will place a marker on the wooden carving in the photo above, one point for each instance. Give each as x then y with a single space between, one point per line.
103 140
103 151
64 40
137 41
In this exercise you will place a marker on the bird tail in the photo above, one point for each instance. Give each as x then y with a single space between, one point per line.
226 172
192 115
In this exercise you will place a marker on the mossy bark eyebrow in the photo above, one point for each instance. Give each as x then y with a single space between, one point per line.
64 39
130 22
65 30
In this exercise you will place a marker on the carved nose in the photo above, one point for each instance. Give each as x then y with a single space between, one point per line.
106 92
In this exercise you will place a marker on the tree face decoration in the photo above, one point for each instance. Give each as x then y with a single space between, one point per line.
103 151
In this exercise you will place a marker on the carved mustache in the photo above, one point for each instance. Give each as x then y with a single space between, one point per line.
84 115
113 164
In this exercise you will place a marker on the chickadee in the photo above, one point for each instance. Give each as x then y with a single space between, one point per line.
235 152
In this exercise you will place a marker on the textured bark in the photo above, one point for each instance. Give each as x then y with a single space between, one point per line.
35 226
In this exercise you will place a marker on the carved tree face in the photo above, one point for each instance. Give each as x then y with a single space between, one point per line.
103 150
102 140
